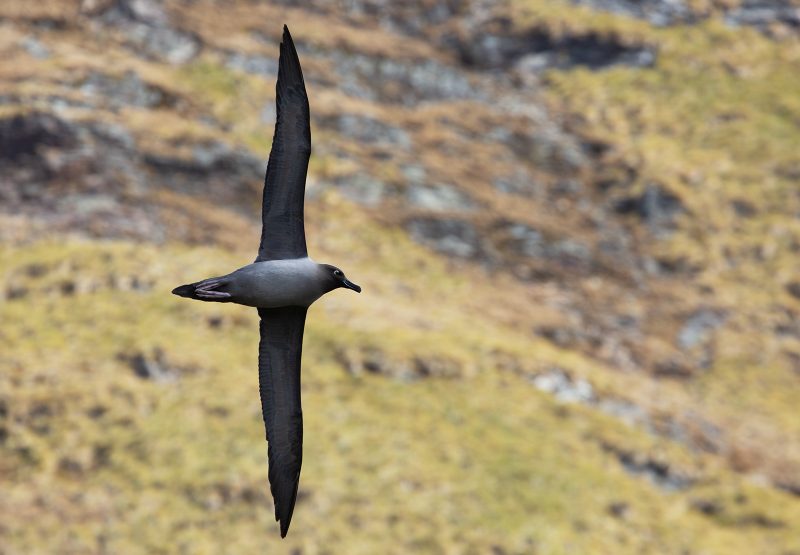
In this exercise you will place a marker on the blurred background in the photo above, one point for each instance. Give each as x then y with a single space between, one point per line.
577 227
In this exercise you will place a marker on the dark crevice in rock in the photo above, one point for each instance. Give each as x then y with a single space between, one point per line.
153 366
790 487
657 472
374 361
793 289
720 511
656 206
27 135
497 45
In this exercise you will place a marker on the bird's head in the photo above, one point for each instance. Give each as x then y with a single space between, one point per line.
337 279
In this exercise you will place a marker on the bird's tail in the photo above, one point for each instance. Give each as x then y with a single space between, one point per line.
206 290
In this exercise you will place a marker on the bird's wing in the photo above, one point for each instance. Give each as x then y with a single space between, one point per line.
282 233
279 353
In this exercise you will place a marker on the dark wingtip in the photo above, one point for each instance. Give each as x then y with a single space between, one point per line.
285 500
284 515
183 290
289 73
284 522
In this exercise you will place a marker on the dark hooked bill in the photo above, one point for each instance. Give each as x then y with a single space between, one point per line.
350 285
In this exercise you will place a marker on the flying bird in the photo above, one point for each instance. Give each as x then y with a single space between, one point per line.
282 283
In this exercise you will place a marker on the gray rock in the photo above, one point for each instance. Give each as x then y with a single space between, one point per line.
518 183
756 13
699 328
114 134
449 236
129 90
521 239
413 173
165 43
151 367
404 82
656 205
657 472
657 12
440 198
527 241
763 13
541 144
209 158
35 48
374 361
146 11
146 25
495 44
570 253
411 17
563 387
362 188
253 64
372 131
625 411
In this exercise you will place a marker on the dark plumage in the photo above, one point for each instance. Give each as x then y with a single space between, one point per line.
282 283
283 233
279 353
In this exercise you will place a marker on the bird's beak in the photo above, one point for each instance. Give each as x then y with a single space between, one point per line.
350 285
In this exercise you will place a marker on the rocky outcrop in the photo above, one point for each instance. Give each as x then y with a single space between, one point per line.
453 237
497 44
26 138
148 30
656 206
399 81
127 89
765 15
657 12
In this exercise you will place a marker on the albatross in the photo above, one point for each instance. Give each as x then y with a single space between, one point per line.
282 283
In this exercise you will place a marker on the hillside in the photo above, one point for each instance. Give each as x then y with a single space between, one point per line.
576 225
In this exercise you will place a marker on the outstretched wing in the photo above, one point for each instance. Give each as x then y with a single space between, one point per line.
283 233
279 353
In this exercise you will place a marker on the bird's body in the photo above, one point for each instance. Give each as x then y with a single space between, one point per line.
268 284
282 283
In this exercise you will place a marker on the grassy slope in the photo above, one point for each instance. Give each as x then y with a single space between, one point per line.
716 121
434 465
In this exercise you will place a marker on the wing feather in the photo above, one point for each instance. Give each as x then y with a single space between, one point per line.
283 230
279 354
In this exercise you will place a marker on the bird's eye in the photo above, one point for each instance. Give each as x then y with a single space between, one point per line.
337 273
